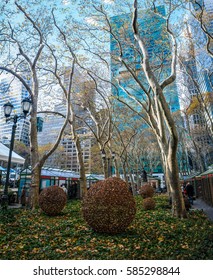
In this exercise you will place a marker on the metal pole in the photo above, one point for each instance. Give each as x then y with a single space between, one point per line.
5 195
104 163
109 168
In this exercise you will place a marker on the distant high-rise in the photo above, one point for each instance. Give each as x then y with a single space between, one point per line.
152 28
66 156
204 9
195 90
207 5
11 89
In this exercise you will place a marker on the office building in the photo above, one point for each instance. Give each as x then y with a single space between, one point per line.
152 28
65 156
12 90
206 7
195 91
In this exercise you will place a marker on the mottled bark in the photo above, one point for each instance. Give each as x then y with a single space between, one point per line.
163 125
83 180
117 174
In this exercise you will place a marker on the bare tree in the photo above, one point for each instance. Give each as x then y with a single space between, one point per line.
27 61
201 15
149 81
156 112
102 119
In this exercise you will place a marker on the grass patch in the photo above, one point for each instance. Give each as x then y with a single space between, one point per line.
154 234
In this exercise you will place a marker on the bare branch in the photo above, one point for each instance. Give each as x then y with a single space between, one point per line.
18 77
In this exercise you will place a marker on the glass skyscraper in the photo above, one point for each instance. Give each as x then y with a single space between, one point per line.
152 28
195 81
205 8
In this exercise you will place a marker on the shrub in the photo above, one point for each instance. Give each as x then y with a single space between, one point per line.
109 207
148 203
146 191
52 200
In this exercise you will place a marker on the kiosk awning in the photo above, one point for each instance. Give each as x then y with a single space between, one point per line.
4 154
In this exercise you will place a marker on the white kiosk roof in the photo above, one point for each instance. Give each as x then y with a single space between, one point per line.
4 154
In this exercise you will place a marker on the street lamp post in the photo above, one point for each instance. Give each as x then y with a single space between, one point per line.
113 159
8 107
103 156
109 167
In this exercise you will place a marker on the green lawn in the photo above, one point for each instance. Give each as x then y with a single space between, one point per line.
154 234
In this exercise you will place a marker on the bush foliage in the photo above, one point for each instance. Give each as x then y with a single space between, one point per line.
52 200
109 206
147 191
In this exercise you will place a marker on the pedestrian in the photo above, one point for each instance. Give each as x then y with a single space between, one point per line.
23 196
136 188
130 188
190 192
63 186
183 189
75 189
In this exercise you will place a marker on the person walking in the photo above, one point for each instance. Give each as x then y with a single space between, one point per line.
130 188
183 189
23 196
190 192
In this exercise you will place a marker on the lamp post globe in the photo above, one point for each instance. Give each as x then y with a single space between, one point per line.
26 104
8 107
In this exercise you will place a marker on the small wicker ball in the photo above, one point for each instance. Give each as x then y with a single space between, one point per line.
109 206
146 191
148 203
52 200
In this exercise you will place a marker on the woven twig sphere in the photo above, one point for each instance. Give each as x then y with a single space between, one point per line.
52 200
109 206
148 203
147 191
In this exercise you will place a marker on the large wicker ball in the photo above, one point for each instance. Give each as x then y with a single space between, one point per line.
109 206
148 203
146 191
52 200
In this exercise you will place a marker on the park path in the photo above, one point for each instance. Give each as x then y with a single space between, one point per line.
201 205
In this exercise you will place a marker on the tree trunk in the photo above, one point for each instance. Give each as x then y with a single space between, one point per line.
170 164
36 169
124 171
178 206
34 188
117 174
83 180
